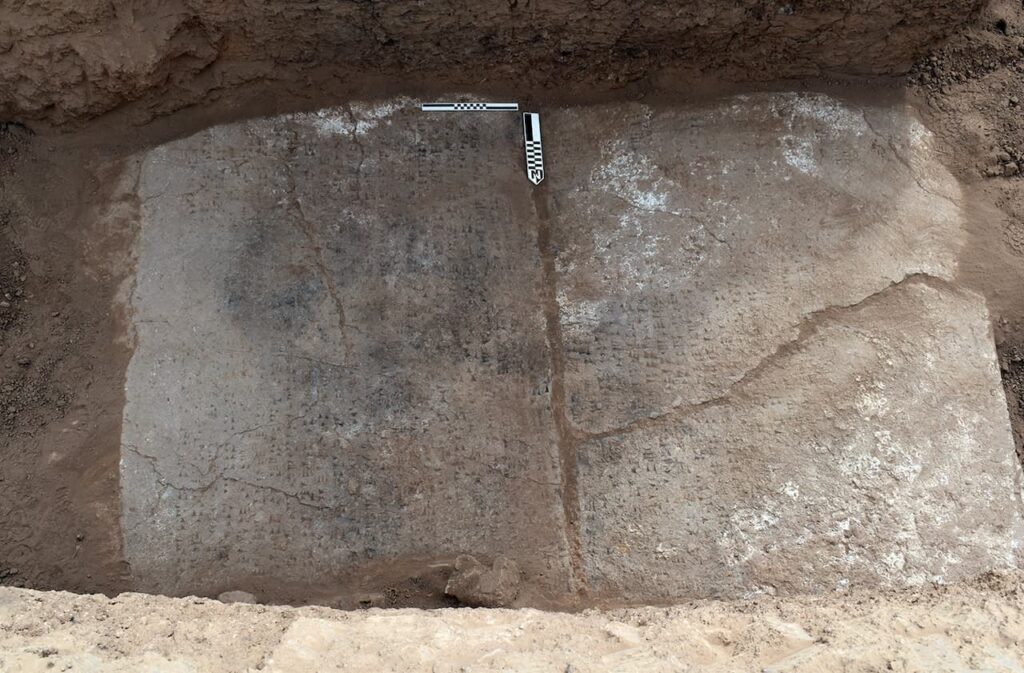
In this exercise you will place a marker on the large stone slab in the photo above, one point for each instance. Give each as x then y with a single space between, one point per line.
720 351
872 451
772 383
692 242
340 354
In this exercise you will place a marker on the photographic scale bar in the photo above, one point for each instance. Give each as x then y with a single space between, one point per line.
531 130
534 149
470 107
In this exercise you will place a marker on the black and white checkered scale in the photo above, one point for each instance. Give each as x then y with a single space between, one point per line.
534 148
469 107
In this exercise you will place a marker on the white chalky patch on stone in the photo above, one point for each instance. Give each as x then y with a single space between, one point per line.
579 317
836 117
358 118
919 135
631 176
799 153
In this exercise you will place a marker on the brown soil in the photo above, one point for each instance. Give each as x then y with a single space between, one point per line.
63 61
61 365
63 349
972 94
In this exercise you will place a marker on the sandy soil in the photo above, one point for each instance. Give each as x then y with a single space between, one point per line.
966 628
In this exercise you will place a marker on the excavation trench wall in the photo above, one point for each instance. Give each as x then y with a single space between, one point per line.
63 60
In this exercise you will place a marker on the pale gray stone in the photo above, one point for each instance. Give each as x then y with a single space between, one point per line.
720 351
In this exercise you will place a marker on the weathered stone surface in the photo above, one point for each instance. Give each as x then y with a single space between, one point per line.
723 342
691 243
340 353
848 460
772 383
747 421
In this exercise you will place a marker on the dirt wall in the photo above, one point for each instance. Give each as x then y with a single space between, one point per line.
63 60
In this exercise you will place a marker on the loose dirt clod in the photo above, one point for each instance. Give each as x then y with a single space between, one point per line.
474 584
237 597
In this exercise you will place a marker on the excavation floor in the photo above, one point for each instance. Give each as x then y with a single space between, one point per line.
721 350
969 627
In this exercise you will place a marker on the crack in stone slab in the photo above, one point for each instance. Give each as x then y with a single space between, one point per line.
309 230
163 479
168 483
567 442
807 327
280 491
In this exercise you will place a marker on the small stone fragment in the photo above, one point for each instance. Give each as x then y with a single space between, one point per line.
1010 169
236 597
474 584
24 361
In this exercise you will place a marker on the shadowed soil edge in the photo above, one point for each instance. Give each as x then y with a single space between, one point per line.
66 61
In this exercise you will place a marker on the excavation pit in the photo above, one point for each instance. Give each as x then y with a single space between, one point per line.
282 354
720 351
